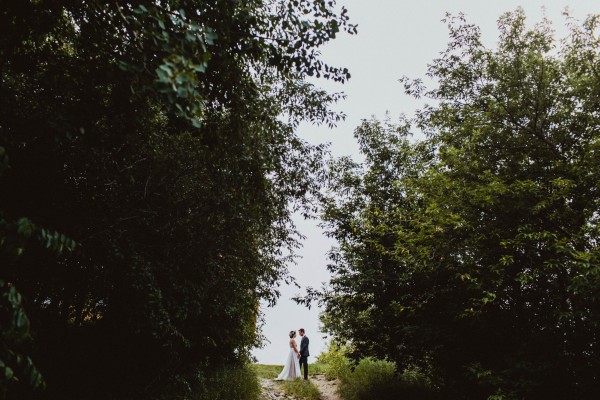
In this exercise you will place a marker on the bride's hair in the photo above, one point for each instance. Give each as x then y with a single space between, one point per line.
292 334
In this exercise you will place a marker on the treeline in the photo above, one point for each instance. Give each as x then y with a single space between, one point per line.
148 169
471 256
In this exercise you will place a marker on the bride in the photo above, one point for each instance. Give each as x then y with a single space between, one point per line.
291 369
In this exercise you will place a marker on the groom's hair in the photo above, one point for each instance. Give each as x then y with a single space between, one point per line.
301 330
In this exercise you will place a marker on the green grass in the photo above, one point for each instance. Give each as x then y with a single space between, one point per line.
305 390
271 371
267 371
317 369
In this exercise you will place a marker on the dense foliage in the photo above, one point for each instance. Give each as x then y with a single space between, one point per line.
154 136
370 378
473 253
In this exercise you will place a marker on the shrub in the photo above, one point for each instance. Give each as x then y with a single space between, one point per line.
378 379
338 365
233 382
368 375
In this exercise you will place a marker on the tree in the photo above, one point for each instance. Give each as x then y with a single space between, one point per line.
152 135
17 370
474 252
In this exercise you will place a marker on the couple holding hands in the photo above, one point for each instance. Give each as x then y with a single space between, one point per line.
295 359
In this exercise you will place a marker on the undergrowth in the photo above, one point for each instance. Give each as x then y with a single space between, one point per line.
301 389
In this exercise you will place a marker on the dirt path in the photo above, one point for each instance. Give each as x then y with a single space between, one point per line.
272 391
327 388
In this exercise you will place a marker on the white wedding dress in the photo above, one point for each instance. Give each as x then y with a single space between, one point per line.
291 368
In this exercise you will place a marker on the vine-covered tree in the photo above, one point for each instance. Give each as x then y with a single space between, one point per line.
473 253
151 134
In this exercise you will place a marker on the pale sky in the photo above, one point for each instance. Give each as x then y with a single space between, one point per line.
395 38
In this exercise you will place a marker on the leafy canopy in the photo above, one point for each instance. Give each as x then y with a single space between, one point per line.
473 253
160 137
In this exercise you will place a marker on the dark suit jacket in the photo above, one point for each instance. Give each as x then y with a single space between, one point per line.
304 347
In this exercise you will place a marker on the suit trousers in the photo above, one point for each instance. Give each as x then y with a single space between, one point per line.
304 361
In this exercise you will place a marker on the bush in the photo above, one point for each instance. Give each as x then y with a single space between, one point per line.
234 382
378 379
368 375
338 365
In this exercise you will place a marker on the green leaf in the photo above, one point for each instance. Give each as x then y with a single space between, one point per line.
210 36
7 372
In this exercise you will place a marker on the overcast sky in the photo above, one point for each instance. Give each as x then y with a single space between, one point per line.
395 38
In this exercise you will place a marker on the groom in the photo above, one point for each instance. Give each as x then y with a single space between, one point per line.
304 353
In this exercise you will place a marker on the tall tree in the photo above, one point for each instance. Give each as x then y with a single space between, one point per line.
475 251
152 135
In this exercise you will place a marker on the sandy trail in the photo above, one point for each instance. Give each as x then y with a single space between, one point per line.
327 388
272 391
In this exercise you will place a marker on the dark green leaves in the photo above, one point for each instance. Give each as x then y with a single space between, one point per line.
180 52
15 368
56 242
18 324
152 136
